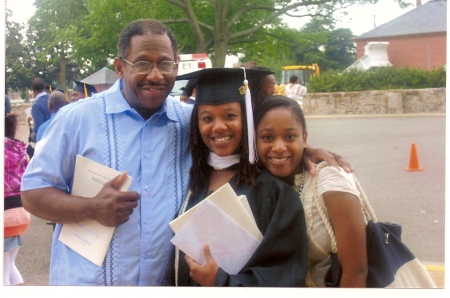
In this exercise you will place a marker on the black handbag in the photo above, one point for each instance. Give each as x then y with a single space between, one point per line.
390 262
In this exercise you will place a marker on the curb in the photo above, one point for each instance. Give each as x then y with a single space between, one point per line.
410 115
437 273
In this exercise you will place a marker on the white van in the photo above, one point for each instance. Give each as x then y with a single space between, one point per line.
189 63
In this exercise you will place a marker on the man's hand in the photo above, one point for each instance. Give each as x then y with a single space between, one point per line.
113 207
314 154
109 207
204 275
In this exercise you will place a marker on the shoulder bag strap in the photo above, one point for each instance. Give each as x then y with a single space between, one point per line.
323 211
367 208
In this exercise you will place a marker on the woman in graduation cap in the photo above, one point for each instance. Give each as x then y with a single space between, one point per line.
222 148
82 90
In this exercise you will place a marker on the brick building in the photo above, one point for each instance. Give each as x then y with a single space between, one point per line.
417 39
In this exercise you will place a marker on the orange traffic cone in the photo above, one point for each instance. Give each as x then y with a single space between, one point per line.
413 160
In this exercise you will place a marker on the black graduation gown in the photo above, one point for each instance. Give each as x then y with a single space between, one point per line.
281 258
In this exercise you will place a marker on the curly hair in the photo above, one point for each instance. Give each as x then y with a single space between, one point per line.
11 125
141 27
201 171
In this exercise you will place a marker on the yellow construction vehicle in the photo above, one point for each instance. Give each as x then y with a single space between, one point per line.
303 72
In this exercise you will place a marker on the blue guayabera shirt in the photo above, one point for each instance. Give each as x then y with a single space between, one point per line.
155 154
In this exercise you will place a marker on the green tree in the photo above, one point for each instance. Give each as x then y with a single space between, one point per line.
96 39
18 73
340 48
316 42
217 27
50 38
274 48
102 26
331 48
69 37
238 21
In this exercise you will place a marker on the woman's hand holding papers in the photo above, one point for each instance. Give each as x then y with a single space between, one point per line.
204 275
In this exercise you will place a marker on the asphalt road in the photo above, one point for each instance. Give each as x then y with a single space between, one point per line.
379 148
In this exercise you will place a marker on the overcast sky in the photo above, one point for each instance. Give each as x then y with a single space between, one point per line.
360 18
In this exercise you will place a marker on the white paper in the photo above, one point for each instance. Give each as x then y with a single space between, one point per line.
89 238
231 245
243 200
227 200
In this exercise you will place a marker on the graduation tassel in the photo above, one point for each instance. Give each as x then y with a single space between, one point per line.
250 125
85 90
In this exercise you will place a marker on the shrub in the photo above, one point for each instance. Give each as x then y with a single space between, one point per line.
381 78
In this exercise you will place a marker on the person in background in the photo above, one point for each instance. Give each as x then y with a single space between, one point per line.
55 102
221 147
39 110
49 89
184 97
191 90
262 87
16 218
295 90
8 106
281 138
31 144
82 90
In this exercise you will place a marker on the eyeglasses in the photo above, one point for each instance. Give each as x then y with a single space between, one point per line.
144 67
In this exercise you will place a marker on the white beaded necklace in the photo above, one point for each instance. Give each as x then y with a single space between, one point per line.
300 187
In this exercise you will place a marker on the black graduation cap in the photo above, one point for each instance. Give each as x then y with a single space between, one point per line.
87 89
222 85
217 86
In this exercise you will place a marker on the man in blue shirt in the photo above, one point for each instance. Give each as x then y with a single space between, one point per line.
39 110
135 126
55 102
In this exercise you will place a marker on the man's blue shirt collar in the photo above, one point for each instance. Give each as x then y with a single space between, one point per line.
118 104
